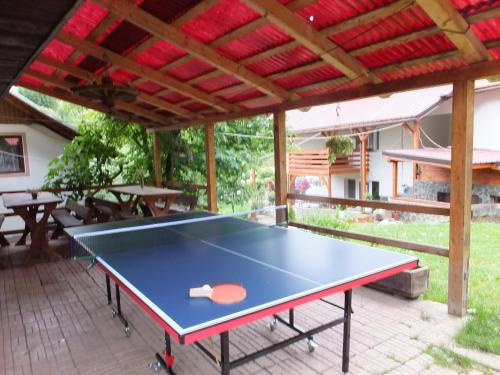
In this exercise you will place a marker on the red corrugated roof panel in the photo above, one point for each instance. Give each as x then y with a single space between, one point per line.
408 51
191 69
283 61
404 22
219 20
159 54
217 83
149 87
261 39
314 75
86 19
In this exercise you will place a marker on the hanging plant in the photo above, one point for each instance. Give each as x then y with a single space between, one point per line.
339 145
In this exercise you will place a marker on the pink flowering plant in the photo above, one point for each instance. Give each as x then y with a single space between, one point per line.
303 186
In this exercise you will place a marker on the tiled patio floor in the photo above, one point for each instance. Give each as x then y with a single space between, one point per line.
55 320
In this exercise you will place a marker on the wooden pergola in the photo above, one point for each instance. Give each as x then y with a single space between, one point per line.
195 63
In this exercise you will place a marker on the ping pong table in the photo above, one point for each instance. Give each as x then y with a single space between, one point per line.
157 260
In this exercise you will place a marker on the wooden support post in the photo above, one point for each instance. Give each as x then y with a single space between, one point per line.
157 159
280 161
462 122
394 178
416 145
210 160
362 138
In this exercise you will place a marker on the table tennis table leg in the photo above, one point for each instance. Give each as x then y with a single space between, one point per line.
108 289
225 364
118 310
166 360
347 331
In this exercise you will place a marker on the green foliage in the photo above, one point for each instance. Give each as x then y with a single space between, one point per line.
339 146
106 151
326 220
482 330
235 157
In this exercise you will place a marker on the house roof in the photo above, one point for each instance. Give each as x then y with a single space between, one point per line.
24 27
375 111
30 112
442 156
196 62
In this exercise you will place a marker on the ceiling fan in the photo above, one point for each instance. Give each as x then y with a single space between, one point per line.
106 92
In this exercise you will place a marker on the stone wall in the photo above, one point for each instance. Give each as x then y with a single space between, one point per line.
429 190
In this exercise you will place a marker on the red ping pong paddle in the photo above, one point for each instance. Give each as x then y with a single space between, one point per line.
224 293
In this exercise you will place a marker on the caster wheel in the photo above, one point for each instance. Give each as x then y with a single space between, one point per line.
127 331
114 313
311 345
155 366
273 324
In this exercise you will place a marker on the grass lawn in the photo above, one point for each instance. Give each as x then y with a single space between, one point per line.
483 329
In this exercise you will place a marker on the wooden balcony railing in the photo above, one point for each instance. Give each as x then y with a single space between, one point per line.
315 163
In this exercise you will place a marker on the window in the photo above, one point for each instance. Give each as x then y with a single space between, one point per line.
372 142
12 155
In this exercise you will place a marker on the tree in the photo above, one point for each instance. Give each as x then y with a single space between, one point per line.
108 150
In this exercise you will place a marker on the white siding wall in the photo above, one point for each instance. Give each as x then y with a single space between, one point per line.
487 120
42 146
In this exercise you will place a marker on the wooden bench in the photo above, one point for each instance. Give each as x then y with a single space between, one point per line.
105 210
3 240
72 215
184 203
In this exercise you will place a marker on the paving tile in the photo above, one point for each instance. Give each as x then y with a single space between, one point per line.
54 319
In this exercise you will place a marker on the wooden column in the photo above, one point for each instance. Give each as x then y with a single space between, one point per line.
416 145
157 159
280 181
462 123
362 138
394 179
211 174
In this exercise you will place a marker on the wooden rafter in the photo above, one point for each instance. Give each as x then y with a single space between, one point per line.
456 28
160 29
473 71
66 96
306 35
364 18
132 108
113 58
88 76
433 30
367 17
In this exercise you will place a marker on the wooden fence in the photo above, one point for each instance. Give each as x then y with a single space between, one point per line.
402 207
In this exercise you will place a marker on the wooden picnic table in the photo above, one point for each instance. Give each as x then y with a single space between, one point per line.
157 200
27 208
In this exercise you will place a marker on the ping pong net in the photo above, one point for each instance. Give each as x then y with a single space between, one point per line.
89 242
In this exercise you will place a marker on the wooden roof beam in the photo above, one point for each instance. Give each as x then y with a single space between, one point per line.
474 71
456 28
111 57
306 35
433 30
119 104
68 97
160 29
88 76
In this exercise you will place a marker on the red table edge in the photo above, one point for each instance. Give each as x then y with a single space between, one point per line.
257 315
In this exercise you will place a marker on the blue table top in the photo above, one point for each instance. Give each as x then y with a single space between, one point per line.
274 264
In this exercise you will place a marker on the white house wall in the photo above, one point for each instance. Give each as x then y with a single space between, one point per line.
42 146
486 118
